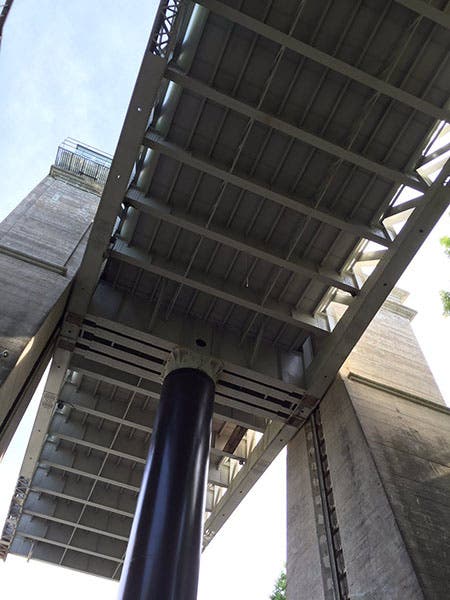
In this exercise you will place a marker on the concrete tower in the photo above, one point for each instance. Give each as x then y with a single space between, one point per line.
368 476
42 243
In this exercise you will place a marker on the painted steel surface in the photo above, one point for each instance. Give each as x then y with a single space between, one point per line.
163 555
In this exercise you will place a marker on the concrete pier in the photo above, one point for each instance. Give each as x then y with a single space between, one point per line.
384 461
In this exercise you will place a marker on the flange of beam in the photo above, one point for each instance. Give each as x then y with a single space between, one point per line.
428 11
144 95
105 416
276 436
45 464
155 141
378 286
4 10
398 209
230 397
220 288
219 477
291 130
104 373
189 222
53 519
266 380
279 37
136 120
65 469
76 499
47 540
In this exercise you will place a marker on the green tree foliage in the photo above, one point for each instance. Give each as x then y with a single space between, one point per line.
445 241
279 591
445 296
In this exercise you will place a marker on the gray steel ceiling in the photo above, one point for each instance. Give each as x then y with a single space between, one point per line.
267 143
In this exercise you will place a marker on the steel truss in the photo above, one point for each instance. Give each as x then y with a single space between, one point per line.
115 350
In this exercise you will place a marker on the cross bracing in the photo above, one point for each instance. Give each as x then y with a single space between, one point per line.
259 164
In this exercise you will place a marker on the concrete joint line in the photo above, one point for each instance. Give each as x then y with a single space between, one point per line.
397 392
33 260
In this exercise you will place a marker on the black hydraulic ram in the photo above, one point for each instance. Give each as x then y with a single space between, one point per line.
163 555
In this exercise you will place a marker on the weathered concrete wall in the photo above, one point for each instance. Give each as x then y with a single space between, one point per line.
387 442
41 246
376 560
389 353
410 446
377 563
305 563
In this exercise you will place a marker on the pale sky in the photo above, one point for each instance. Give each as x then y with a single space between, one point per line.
68 69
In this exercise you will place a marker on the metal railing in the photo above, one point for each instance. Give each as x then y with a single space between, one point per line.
78 158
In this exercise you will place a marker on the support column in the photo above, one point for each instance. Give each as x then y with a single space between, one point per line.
163 555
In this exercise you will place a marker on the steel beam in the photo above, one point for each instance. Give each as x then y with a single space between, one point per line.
122 359
218 477
276 436
428 11
105 449
155 141
328 61
291 130
133 425
189 222
221 478
115 482
140 366
53 519
216 452
378 286
274 382
224 412
267 378
46 540
109 417
283 39
220 288
371 256
424 160
226 398
68 497
44 415
142 100
45 464
404 206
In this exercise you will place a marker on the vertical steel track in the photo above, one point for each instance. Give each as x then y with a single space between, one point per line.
337 565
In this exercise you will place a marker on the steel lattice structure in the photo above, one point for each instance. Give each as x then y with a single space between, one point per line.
258 171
